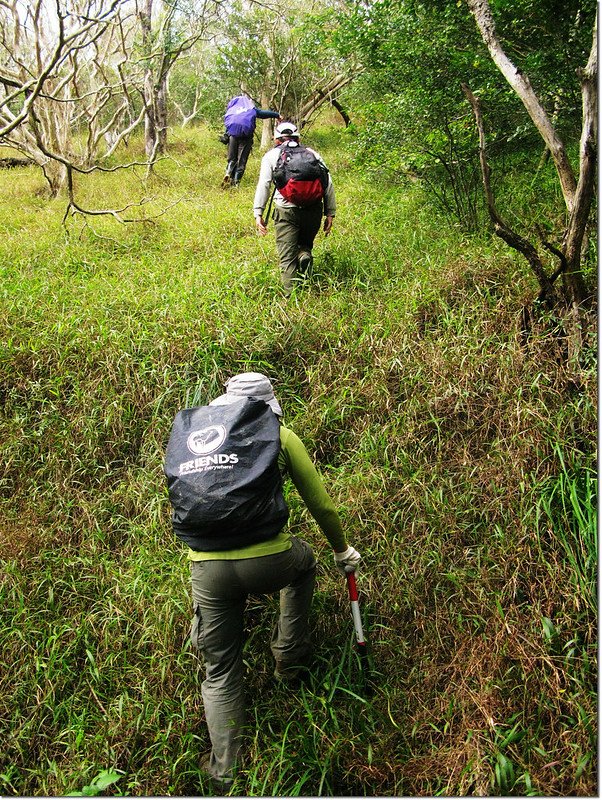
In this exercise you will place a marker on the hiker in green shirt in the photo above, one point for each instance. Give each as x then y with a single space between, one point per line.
222 581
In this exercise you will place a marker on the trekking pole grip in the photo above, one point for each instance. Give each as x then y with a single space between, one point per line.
355 606
361 645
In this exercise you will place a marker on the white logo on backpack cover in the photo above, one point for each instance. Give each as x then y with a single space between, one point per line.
207 440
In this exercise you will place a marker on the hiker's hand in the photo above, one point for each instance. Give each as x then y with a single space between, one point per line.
261 226
328 225
348 558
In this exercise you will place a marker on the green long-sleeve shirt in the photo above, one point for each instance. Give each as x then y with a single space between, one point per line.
293 460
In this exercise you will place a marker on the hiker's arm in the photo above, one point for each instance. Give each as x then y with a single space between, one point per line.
263 113
330 204
309 485
262 193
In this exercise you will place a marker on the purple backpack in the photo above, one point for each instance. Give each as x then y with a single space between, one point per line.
239 118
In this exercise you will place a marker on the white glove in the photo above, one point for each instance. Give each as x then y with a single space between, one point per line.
349 558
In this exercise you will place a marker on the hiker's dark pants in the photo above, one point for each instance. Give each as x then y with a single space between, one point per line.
219 594
296 228
239 149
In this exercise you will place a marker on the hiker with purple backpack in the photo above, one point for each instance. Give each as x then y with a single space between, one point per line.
303 193
240 120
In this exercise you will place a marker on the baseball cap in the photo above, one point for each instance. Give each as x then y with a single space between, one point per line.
285 129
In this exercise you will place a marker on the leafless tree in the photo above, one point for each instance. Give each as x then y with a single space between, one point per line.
62 95
187 115
78 76
168 30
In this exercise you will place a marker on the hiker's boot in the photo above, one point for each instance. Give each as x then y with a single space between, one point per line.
294 672
226 181
291 675
221 786
306 262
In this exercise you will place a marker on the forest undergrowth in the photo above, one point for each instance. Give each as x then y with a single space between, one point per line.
462 460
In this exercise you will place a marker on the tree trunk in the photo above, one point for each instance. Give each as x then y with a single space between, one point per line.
346 119
577 194
161 113
587 177
154 90
267 138
522 86
56 176
150 129
322 95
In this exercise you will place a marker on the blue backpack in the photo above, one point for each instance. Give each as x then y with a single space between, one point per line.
239 118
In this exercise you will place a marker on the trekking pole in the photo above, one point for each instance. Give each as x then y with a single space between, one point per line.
360 640
267 216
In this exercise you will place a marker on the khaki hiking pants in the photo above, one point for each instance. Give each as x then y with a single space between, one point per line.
219 594
296 228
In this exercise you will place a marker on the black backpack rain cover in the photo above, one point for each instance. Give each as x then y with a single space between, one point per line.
223 478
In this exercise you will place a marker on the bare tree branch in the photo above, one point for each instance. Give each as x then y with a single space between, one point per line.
578 194
588 155
501 228
324 94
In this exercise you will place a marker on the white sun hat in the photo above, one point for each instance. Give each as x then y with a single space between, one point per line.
249 384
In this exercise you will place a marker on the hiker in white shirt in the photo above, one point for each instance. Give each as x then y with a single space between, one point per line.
299 205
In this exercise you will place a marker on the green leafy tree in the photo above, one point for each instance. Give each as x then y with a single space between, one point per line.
413 120
577 189
416 55
283 56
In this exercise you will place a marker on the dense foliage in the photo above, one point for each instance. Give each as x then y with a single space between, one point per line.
460 451
412 116
461 458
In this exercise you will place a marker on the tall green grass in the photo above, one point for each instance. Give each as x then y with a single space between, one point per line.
463 466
